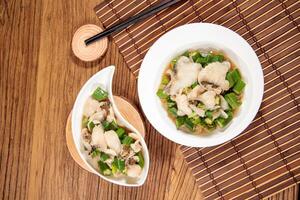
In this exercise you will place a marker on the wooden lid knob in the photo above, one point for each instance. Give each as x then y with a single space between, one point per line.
92 51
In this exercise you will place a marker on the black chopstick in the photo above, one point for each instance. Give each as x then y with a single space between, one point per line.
132 20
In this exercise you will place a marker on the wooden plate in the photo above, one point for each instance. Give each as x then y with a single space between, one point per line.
128 111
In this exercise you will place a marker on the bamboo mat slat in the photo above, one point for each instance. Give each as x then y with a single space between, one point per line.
265 158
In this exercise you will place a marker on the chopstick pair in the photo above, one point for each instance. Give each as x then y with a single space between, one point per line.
132 20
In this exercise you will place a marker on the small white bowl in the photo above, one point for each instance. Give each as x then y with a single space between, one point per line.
104 79
200 36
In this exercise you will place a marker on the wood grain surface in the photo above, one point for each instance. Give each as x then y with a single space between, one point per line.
39 80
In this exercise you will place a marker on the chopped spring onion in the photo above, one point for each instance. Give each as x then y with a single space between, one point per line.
90 125
127 140
194 85
104 168
186 54
119 164
189 124
217 58
194 55
173 63
110 125
179 121
201 105
103 156
196 120
84 121
239 86
165 80
95 153
173 111
99 94
120 132
141 159
161 94
208 113
208 121
233 77
232 100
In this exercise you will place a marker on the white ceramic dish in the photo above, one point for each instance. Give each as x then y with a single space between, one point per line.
200 36
104 79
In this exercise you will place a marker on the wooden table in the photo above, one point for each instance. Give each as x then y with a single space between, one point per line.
39 81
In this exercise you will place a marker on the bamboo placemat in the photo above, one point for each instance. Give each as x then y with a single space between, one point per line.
265 158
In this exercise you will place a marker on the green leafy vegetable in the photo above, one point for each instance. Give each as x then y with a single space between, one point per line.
161 94
99 94
208 113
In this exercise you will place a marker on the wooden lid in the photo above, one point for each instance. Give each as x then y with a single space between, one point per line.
128 111
92 51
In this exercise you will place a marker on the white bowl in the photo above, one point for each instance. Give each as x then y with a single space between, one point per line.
104 79
202 36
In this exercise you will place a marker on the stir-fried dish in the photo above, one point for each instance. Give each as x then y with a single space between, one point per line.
110 148
201 91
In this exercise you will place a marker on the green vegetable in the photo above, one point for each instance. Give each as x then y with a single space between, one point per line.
84 121
203 60
194 85
90 125
217 58
189 124
173 63
171 103
221 122
119 164
165 80
114 125
201 105
104 168
239 86
232 100
110 125
127 140
208 113
208 121
173 111
103 156
196 120
179 121
120 132
233 77
186 54
194 55
99 94
141 159
95 153
217 100
161 94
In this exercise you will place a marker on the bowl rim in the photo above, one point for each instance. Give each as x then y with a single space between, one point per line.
187 30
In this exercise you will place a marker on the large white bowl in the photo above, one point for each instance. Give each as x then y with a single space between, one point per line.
194 36
104 79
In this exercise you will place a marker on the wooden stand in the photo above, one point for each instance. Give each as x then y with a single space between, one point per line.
93 51
128 111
